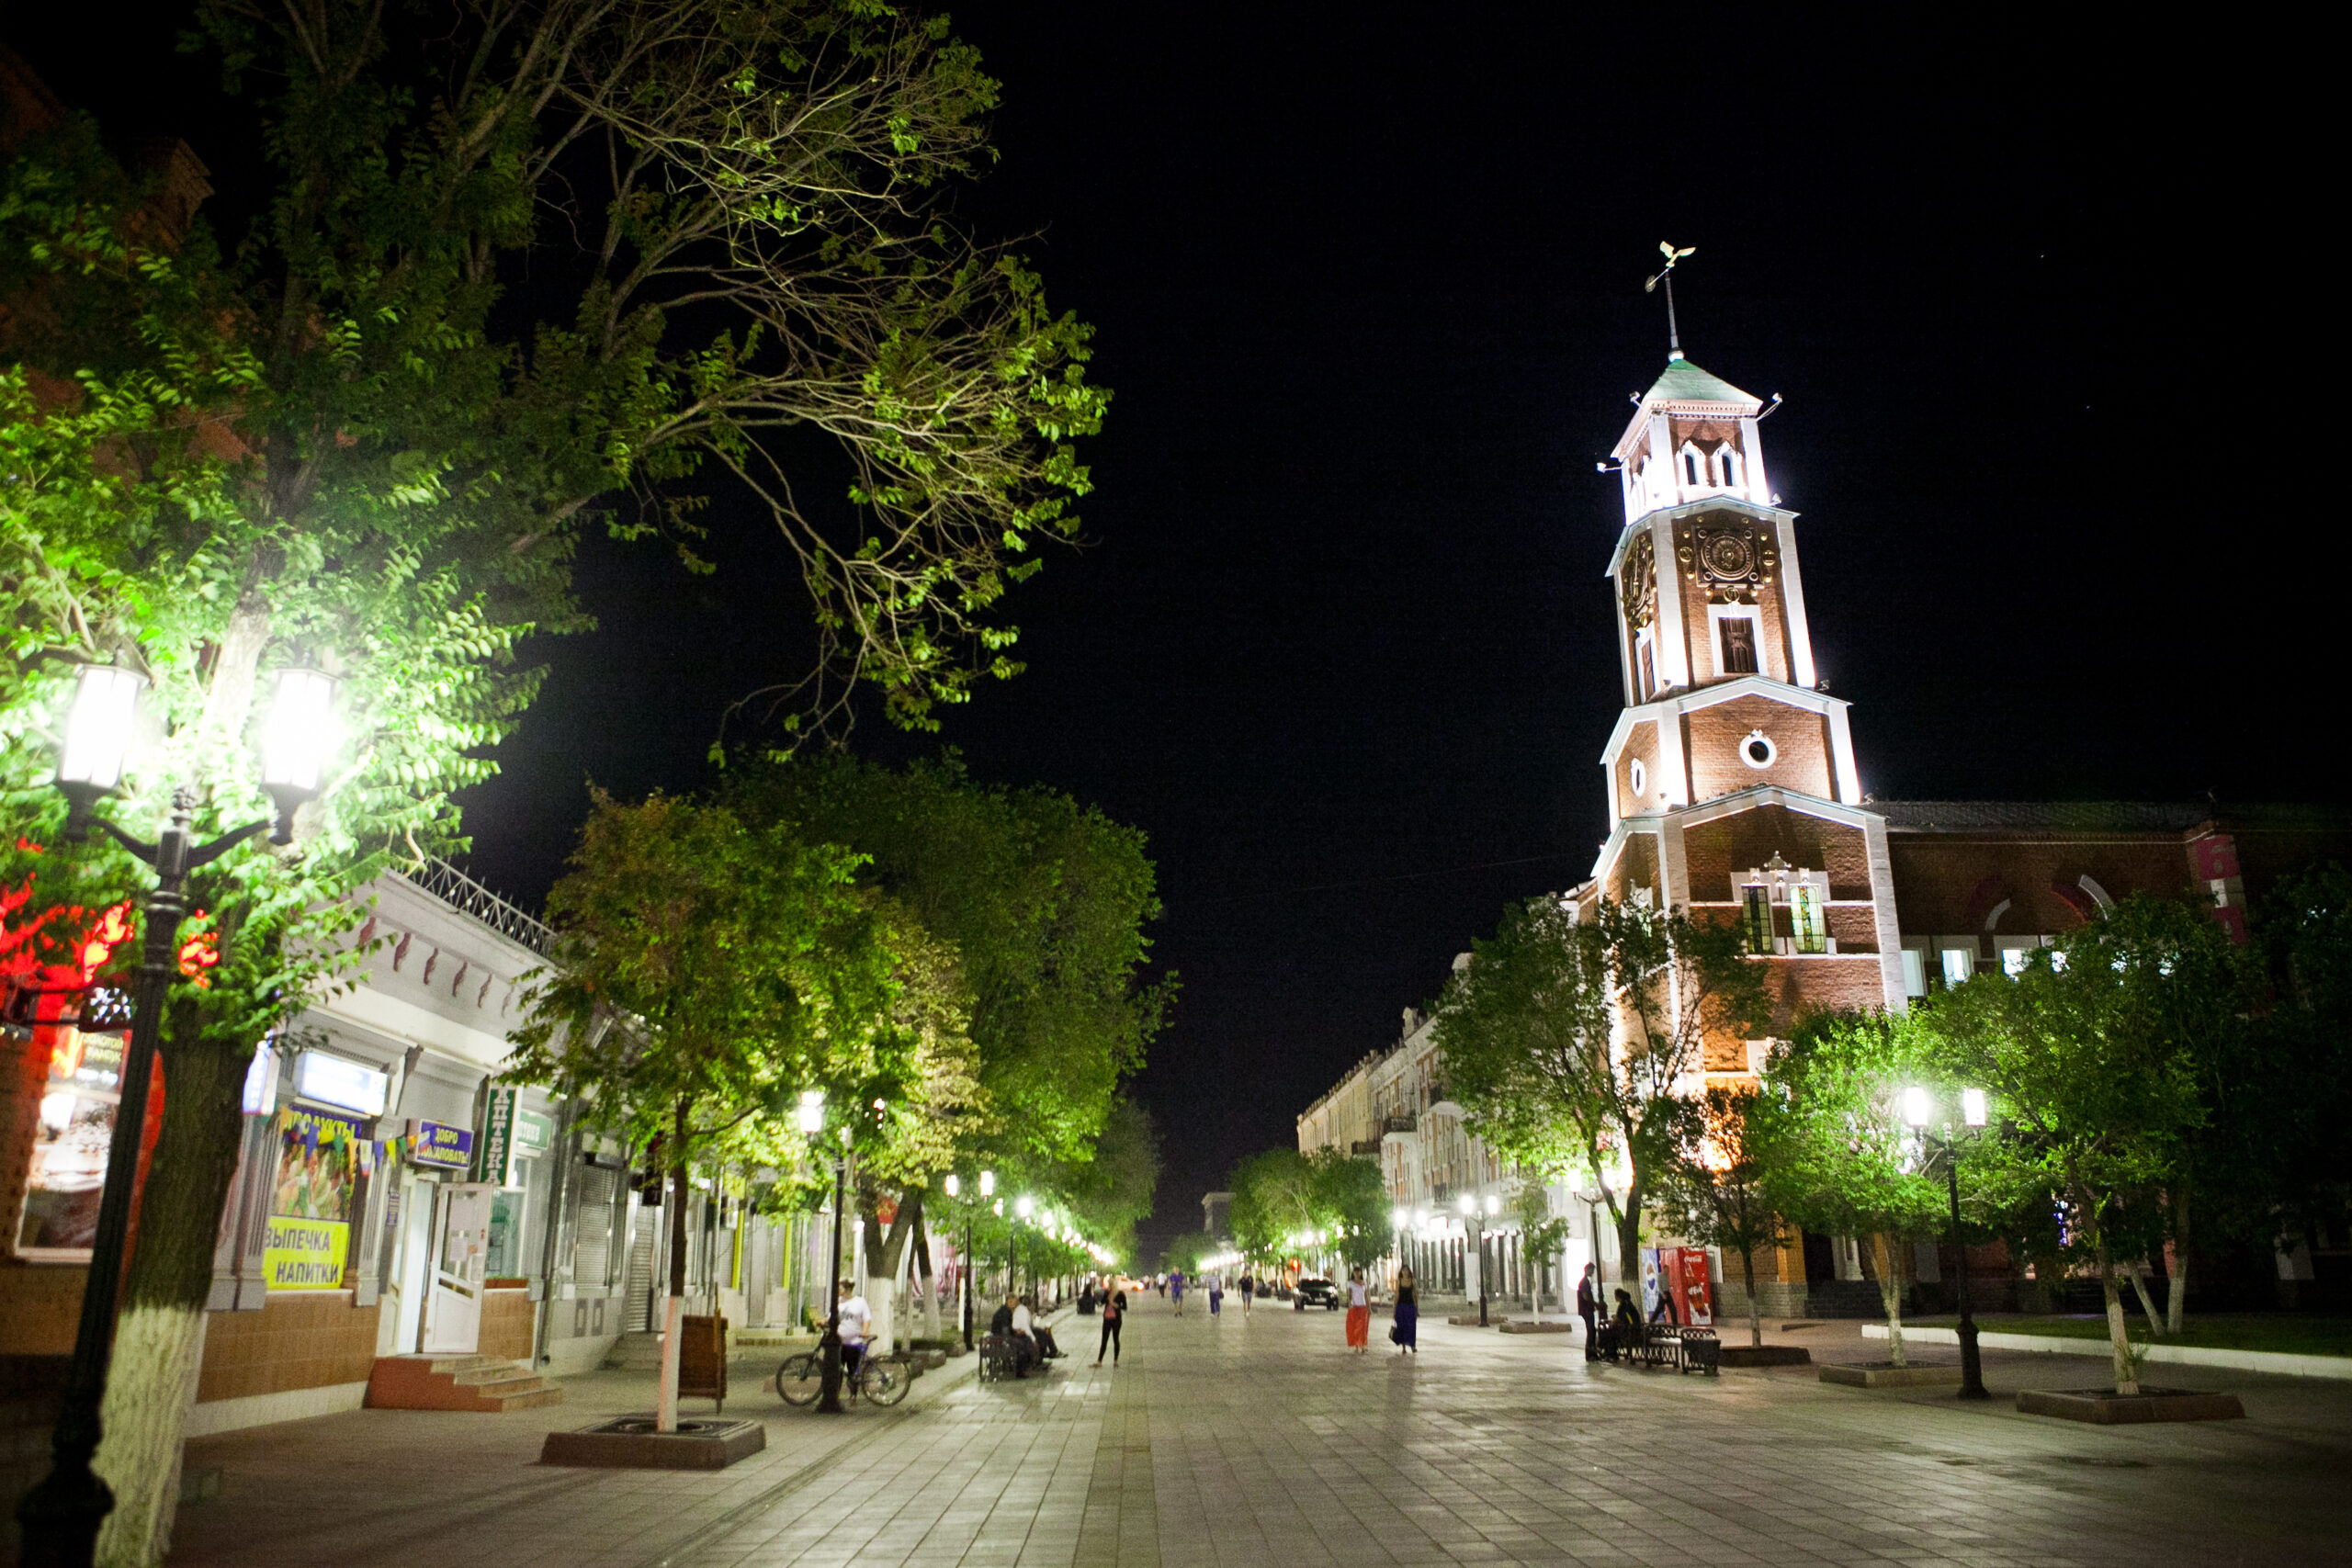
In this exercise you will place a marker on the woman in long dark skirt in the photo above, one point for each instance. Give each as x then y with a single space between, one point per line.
1408 1314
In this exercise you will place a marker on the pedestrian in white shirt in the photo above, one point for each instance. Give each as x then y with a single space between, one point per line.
856 1323
1025 1335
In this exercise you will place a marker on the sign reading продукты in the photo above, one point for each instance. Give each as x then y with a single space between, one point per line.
441 1146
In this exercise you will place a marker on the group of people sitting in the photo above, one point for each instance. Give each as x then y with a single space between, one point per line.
1032 1342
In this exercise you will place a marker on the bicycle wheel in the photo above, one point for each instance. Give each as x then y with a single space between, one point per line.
883 1382
800 1380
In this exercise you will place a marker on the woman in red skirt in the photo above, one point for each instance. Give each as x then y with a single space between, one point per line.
1358 1312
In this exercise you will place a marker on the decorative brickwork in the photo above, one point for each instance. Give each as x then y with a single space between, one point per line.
1712 736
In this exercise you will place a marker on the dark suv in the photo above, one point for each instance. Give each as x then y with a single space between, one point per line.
1315 1292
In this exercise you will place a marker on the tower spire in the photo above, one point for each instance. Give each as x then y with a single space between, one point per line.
1666 275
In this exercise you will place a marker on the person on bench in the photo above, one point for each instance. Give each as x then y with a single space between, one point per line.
1627 1338
1047 1350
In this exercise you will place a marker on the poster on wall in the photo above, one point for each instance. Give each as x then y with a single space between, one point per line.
319 1163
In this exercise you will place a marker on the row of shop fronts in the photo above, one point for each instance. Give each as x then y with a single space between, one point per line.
391 1196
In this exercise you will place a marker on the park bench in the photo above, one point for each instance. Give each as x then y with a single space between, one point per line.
1666 1345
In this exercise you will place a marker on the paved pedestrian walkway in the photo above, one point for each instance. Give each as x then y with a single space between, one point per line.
1259 1441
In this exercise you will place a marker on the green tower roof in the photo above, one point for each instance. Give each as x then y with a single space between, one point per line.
1684 382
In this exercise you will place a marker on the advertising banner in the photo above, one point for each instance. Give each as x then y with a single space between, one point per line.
440 1146
319 1162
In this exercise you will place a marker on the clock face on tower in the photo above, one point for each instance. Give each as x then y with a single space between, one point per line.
1637 582
1729 557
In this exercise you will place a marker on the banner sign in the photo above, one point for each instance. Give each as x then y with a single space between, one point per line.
534 1133
440 1146
497 1137
318 1161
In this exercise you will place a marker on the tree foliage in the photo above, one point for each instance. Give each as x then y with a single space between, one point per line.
1351 1205
1568 1040
1712 1184
1045 902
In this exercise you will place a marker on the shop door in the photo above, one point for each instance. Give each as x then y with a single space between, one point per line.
453 1313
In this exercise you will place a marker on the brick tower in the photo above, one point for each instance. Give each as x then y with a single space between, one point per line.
1732 784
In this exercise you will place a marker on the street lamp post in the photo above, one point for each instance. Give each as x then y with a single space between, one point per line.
1916 1108
60 1516
829 1347
954 1189
1472 1213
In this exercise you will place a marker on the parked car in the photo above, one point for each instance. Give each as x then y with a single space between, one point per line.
1315 1292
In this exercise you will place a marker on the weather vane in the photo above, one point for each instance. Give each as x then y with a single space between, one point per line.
1666 275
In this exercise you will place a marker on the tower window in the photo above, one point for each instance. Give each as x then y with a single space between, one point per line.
1645 665
1756 917
1737 638
1727 465
1691 468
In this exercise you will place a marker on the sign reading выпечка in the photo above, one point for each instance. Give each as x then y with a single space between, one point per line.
440 1146
309 1232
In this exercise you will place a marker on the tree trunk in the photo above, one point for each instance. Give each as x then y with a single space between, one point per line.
674 1310
1890 1291
1755 1318
2177 1290
1629 1240
2119 1337
2147 1303
159 1335
922 1246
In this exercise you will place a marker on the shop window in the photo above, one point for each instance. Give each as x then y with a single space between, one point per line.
74 1128
1756 917
1959 964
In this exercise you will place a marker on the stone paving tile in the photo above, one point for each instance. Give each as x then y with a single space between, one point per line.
1257 1441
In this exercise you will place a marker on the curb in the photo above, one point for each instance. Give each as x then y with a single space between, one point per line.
2277 1362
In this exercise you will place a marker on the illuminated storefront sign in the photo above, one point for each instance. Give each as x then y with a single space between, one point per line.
332 1080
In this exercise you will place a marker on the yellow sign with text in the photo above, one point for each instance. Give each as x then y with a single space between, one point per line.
305 1255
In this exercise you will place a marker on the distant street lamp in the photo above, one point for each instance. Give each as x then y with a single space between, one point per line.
60 1516
1918 1110
829 1347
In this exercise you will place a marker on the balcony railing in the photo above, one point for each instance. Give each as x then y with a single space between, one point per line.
1404 1124
469 898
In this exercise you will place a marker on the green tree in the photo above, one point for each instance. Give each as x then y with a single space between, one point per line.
710 972
1273 1204
1047 902
1183 1255
2100 1055
1542 1235
1350 1204
1714 1185
1835 1152
352 445
1110 1195
1567 1041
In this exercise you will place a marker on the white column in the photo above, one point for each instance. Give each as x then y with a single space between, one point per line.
1888 927
1751 446
1800 630
1673 646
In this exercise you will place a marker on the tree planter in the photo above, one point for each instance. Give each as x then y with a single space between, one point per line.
1766 1356
1885 1374
2105 1407
630 1442
1470 1320
1537 1325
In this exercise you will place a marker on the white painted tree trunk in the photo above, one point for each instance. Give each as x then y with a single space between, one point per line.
2147 1301
881 1299
1890 1291
673 1334
157 1352
2119 1337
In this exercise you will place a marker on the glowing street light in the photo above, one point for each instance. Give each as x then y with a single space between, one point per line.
1918 1111
812 1111
60 1516
954 1184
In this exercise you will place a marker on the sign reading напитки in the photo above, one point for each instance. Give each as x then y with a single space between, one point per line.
310 1206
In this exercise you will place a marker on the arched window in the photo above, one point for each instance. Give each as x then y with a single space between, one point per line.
1727 467
1694 472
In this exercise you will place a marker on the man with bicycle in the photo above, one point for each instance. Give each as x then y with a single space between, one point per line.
856 1323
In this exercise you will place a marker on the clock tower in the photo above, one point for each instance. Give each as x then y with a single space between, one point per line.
1733 789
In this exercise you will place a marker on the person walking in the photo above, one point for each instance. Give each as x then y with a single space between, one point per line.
1588 1308
1114 1314
1406 1332
1216 1294
1176 1290
1249 1289
1359 1314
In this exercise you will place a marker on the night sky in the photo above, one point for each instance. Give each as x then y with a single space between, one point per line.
1368 287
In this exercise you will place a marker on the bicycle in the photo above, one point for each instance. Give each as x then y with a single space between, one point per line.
801 1379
